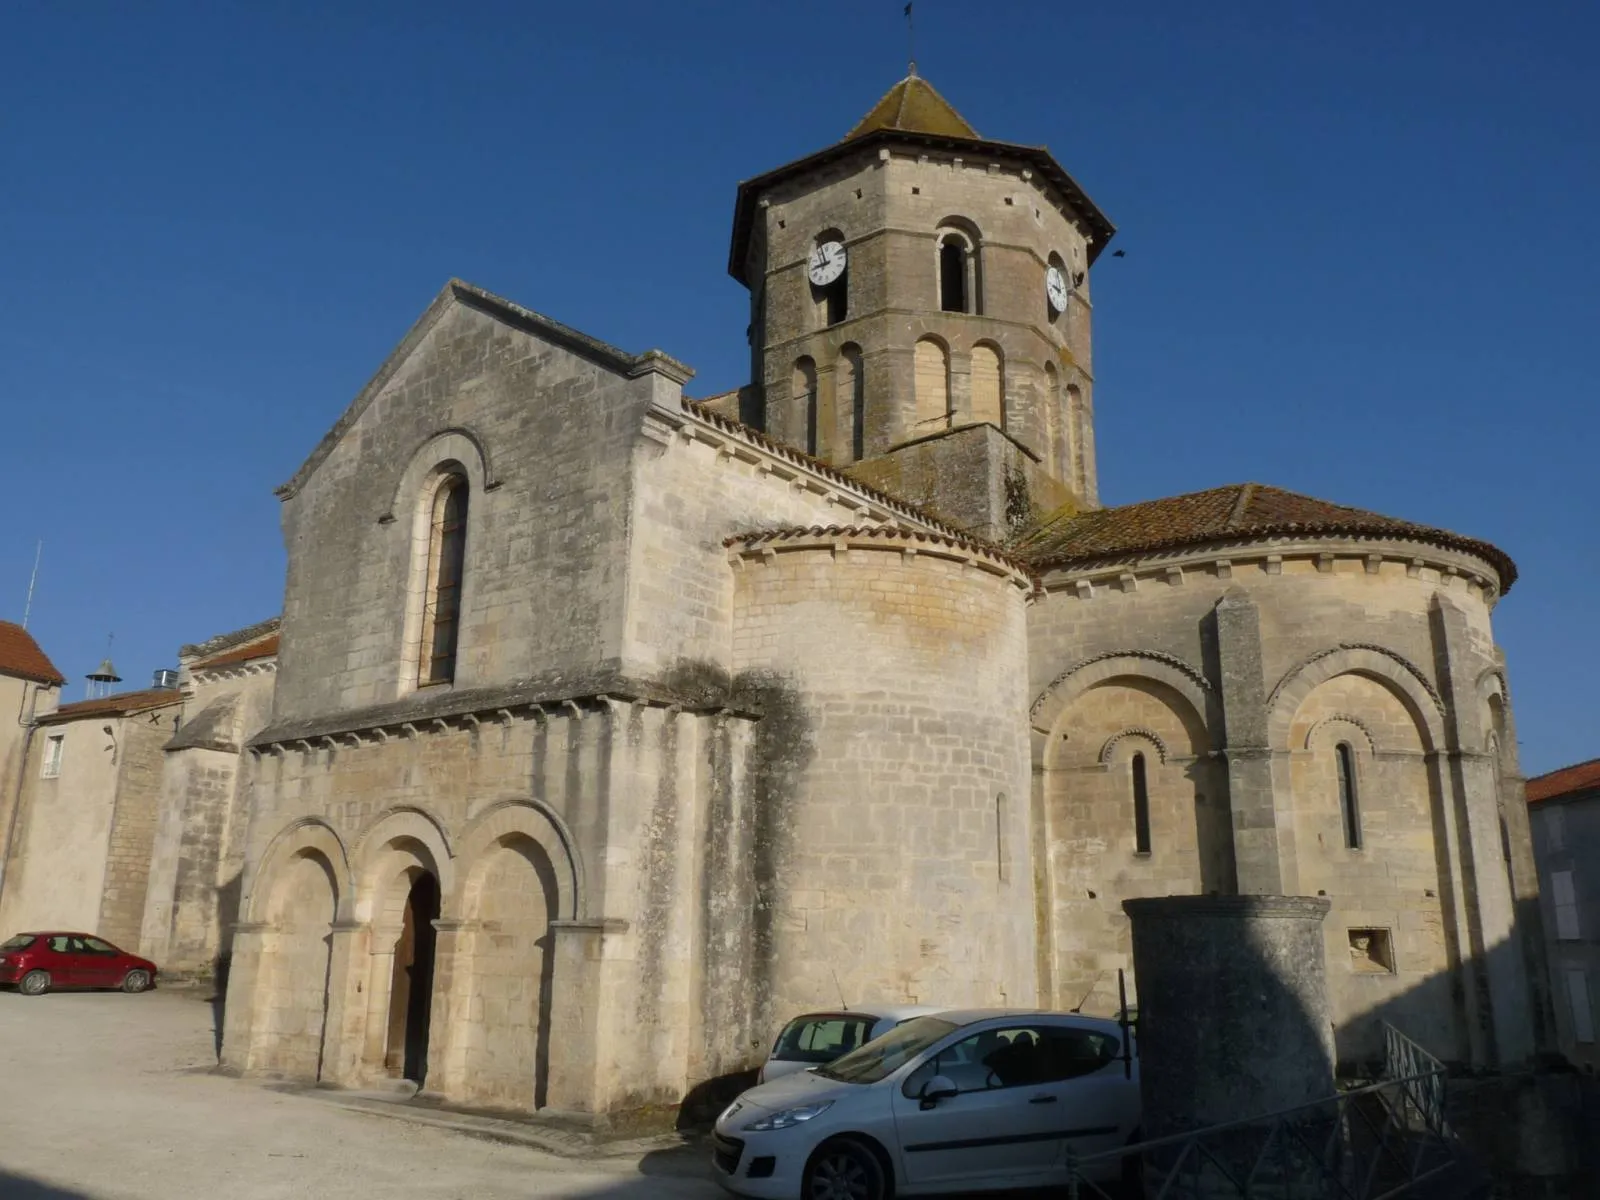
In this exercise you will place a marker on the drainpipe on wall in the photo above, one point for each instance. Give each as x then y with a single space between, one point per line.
29 726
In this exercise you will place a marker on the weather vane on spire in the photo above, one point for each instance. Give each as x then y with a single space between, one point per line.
911 42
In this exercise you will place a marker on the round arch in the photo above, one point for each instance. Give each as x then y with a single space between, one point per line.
1394 671
307 834
457 445
1200 711
534 820
428 845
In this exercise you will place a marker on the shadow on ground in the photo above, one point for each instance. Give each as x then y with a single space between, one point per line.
21 1187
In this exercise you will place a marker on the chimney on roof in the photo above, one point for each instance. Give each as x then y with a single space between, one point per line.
165 679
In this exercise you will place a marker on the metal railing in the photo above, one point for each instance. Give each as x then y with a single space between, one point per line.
1404 1059
1377 1142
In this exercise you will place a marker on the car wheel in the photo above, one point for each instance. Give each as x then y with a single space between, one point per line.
844 1170
136 981
34 983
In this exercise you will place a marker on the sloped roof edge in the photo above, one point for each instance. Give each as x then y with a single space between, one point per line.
458 291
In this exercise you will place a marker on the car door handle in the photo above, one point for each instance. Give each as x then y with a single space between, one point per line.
1042 1100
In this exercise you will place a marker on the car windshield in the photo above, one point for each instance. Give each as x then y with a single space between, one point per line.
822 1038
18 942
883 1056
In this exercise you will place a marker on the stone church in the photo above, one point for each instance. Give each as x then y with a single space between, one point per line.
610 727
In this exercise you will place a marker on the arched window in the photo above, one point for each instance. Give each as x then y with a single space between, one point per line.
805 395
960 280
1057 452
1073 417
932 385
852 392
1141 807
1349 805
988 386
447 556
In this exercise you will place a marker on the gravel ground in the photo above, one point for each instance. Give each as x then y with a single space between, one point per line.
107 1097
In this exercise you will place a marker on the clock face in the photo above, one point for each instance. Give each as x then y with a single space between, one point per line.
1055 287
827 263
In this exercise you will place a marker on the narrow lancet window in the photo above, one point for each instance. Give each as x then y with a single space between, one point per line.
1141 807
447 553
1349 806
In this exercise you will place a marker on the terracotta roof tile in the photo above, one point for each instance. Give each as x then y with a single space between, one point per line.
265 648
21 658
1580 777
1240 510
913 106
121 705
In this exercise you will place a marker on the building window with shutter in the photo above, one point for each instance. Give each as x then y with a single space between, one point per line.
53 746
1566 906
1582 1005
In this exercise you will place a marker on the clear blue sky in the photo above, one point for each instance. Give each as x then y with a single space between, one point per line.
1361 254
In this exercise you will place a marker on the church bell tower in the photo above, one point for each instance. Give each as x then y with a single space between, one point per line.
919 313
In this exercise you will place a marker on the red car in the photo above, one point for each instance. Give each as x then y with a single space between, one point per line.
38 962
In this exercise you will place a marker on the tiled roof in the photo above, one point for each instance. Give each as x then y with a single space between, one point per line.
21 658
264 648
1580 777
121 705
913 106
1238 511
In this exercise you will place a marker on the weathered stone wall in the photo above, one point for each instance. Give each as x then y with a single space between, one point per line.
59 845
194 879
697 485
888 207
541 434
892 772
1259 664
80 850
133 824
21 701
592 860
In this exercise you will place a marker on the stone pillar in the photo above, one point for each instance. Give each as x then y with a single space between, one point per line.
1263 853
451 1013
1233 1007
574 1083
1498 958
346 1012
239 1016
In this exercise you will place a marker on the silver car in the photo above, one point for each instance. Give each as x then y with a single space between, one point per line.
982 1099
820 1037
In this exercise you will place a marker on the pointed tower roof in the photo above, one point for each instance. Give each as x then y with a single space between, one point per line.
913 114
914 106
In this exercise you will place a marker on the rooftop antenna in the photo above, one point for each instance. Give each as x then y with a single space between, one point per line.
32 579
911 43
102 677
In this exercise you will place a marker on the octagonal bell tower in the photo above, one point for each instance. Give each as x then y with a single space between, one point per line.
919 301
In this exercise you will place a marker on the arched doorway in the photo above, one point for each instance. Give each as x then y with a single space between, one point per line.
411 981
295 968
511 897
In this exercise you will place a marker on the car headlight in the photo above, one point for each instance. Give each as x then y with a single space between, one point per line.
784 1118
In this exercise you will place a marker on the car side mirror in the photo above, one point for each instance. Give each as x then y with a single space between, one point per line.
936 1089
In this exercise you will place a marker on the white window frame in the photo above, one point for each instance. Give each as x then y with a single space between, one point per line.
1582 1006
54 747
1565 901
